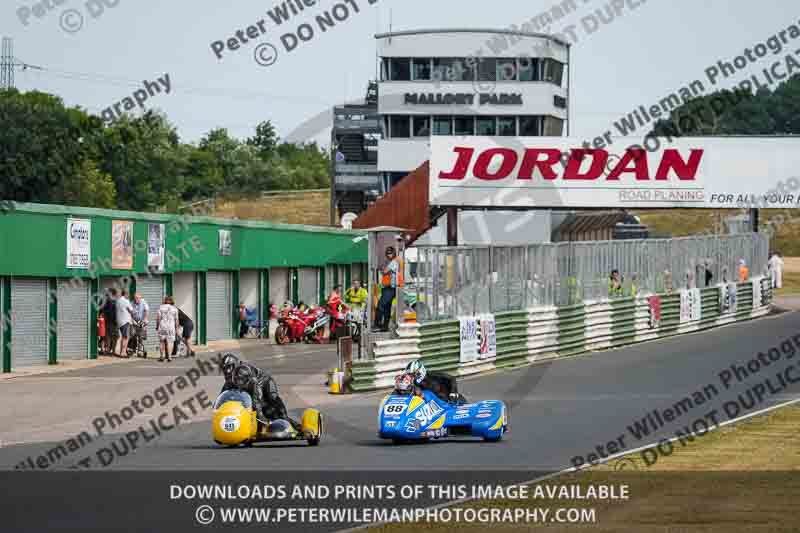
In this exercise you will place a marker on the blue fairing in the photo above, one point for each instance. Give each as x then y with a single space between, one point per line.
411 417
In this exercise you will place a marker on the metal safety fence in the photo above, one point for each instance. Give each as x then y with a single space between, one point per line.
447 282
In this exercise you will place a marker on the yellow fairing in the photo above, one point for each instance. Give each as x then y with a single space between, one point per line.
499 423
416 401
232 424
438 424
310 422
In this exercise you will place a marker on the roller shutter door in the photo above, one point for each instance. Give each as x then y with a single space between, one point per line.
330 277
73 320
30 335
309 285
114 282
278 286
219 309
152 290
185 293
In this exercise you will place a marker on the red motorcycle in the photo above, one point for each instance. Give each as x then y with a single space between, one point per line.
315 322
341 319
290 326
296 325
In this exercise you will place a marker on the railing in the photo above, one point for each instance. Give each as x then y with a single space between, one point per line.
447 282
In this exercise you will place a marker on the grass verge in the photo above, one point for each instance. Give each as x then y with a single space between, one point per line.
310 208
684 222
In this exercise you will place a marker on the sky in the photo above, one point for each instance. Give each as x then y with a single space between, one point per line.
94 54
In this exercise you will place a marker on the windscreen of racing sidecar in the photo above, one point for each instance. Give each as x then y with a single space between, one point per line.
234 396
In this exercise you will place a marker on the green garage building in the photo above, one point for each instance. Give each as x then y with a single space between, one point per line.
57 261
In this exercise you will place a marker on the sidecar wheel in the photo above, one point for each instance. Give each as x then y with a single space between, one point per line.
313 440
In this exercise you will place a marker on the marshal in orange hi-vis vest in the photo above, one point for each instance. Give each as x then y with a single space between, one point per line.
386 280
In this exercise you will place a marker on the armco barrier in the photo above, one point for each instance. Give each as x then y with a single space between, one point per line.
524 337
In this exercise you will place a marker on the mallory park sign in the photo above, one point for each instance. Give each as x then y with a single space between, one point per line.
550 172
463 99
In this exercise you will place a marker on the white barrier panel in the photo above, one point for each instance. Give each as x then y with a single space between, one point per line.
560 172
468 327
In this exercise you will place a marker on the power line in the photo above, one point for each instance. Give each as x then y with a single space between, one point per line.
229 92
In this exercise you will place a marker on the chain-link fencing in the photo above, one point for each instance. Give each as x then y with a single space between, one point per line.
447 282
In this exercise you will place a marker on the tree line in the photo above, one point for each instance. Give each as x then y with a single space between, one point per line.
737 112
50 153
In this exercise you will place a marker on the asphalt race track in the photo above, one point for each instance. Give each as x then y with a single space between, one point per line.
558 410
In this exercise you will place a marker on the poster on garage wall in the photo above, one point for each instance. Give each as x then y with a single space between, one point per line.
468 327
122 245
156 247
225 242
79 243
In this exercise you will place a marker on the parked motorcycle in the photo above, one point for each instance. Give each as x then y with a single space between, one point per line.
316 321
291 325
295 325
342 317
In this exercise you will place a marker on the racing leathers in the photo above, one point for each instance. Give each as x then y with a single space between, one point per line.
264 392
442 385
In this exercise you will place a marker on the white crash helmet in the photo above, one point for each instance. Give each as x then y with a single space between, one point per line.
417 369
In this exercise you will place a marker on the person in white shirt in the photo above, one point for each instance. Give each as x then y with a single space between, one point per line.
124 320
776 270
167 327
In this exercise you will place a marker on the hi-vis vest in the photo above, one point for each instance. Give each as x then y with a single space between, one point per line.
386 280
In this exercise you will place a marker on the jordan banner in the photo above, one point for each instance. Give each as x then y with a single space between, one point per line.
735 172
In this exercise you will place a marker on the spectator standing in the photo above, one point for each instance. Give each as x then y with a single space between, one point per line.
110 315
167 327
668 287
356 297
776 270
335 297
243 326
101 330
124 319
187 329
699 274
388 290
140 309
744 272
614 284
708 274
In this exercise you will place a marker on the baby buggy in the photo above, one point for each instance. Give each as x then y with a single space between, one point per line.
256 329
138 336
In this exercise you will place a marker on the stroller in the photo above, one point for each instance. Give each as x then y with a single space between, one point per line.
256 329
136 343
